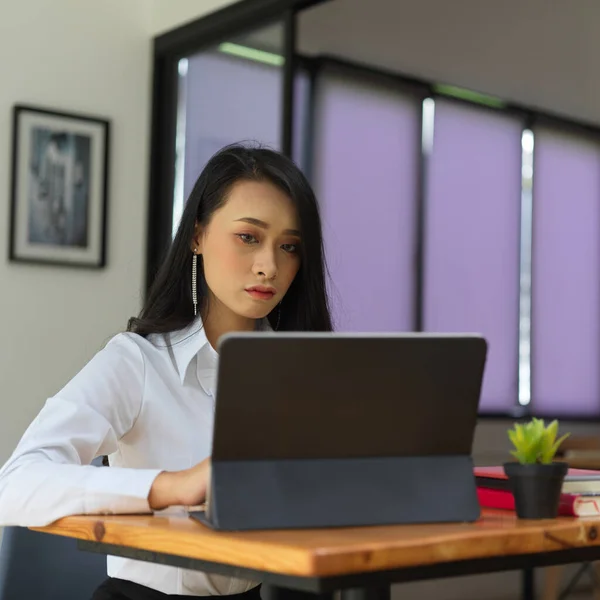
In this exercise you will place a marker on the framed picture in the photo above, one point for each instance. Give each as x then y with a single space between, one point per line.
59 188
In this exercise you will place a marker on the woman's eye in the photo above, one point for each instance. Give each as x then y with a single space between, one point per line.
247 238
291 248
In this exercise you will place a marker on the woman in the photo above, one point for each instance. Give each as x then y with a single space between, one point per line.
247 255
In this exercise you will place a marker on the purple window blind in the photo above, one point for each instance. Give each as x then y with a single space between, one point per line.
229 100
365 172
472 238
565 308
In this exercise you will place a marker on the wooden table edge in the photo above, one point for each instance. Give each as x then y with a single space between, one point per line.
285 558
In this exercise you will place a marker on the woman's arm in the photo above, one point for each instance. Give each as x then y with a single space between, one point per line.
49 474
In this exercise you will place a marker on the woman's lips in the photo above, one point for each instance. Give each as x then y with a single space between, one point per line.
260 292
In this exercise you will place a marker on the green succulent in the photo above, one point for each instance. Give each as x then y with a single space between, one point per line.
534 442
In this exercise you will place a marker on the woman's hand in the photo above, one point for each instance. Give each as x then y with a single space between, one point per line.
180 488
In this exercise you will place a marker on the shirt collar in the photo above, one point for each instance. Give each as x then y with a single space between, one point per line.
186 343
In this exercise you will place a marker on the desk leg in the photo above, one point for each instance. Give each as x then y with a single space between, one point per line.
528 584
369 593
273 592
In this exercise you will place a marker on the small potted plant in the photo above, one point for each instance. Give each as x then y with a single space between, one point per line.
536 479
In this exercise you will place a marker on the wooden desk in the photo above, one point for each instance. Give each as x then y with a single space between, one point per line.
366 559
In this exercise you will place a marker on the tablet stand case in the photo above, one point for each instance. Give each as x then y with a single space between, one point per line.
257 482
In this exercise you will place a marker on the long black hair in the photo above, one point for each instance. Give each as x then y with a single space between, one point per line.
305 307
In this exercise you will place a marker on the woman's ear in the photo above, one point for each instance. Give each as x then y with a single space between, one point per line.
196 245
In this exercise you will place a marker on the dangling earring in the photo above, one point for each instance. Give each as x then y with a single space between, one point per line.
194 281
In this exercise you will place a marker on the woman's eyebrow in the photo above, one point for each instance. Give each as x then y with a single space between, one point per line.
263 225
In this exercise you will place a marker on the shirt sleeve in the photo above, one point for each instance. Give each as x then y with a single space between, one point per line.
49 475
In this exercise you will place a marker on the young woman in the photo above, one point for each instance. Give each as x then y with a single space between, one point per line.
248 255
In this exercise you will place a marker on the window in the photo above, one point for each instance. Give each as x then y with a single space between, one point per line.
565 325
365 173
472 237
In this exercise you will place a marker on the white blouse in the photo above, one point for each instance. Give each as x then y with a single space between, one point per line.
147 403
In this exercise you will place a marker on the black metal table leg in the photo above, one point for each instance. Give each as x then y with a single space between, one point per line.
274 592
367 593
528 584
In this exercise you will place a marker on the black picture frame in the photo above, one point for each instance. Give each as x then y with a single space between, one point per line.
59 188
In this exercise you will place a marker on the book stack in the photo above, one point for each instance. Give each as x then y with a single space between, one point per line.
580 495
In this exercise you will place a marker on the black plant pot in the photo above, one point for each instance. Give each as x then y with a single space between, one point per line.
536 488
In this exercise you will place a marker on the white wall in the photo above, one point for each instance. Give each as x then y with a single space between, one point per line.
167 14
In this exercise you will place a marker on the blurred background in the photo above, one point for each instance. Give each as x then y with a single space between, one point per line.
454 146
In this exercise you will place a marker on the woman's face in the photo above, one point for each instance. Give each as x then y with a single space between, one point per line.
250 249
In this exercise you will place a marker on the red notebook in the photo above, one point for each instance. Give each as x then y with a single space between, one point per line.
571 505
577 481
497 472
